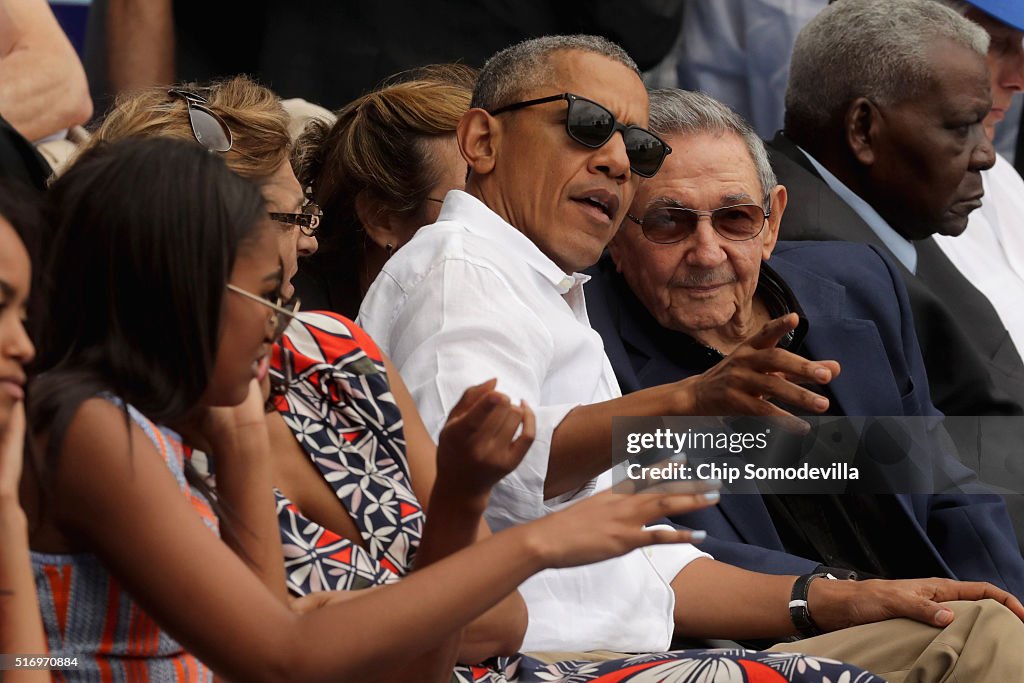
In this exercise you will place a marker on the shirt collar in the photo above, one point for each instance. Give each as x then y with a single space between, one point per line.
477 218
899 245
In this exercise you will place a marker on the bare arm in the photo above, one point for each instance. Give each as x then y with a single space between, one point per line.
42 83
581 446
716 600
140 44
452 525
151 540
21 626
237 441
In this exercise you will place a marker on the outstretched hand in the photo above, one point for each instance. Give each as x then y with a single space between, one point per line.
476 448
610 524
840 604
758 372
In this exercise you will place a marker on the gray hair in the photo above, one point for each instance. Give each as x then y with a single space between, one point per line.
527 66
869 48
682 112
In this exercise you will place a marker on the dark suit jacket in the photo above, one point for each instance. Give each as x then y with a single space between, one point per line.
973 367
859 315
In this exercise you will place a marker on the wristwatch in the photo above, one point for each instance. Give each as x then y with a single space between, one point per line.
798 611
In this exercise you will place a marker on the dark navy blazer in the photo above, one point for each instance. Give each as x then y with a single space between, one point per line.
858 314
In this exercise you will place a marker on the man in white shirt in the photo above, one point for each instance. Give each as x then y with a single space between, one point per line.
493 290
555 141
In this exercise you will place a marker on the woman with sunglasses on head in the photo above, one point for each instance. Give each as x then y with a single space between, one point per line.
379 173
21 629
245 123
161 333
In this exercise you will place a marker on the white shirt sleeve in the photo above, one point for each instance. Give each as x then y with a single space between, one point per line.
460 325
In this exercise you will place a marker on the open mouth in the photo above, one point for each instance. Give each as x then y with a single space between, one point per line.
599 203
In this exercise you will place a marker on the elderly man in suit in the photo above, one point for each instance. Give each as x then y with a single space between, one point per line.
884 144
695 271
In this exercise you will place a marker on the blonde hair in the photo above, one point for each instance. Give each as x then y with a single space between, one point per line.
252 112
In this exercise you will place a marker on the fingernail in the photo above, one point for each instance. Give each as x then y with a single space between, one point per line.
821 403
711 496
714 483
698 536
822 375
943 616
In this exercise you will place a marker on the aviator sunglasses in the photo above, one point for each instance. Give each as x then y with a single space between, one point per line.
591 125
284 310
672 224
208 128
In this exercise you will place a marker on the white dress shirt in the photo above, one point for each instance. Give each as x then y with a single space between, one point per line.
470 298
990 253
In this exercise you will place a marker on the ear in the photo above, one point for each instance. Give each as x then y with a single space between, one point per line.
863 125
375 219
477 133
779 198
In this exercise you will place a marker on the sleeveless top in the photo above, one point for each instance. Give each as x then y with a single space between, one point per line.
333 393
86 613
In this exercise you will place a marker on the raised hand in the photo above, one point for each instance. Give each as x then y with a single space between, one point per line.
476 447
840 604
217 430
757 372
610 524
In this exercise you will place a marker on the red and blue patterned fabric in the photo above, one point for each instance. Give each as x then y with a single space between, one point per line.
89 616
332 390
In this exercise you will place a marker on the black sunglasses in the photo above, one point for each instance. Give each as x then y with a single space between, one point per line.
208 128
671 224
592 125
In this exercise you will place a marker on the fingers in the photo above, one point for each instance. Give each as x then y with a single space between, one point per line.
663 536
12 447
770 335
977 590
471 395
652 506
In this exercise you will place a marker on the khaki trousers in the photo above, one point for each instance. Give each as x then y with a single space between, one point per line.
984 644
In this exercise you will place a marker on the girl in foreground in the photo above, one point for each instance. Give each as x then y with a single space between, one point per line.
165 278
21 631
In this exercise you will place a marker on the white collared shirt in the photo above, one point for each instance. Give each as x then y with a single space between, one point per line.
900 246
990 253
470 298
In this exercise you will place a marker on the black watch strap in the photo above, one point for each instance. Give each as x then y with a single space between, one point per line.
798 611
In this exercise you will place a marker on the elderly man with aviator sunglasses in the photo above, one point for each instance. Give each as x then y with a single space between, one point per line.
677 293
556 144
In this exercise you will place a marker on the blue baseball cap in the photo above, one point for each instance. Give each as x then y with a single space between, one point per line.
1010 12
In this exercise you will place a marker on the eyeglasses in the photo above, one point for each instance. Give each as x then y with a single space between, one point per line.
284 311
671 224
591 125
308 220
208 128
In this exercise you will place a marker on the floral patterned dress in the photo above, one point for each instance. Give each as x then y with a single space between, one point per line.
331 388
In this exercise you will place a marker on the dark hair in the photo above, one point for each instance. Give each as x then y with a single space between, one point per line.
146 235
21 206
